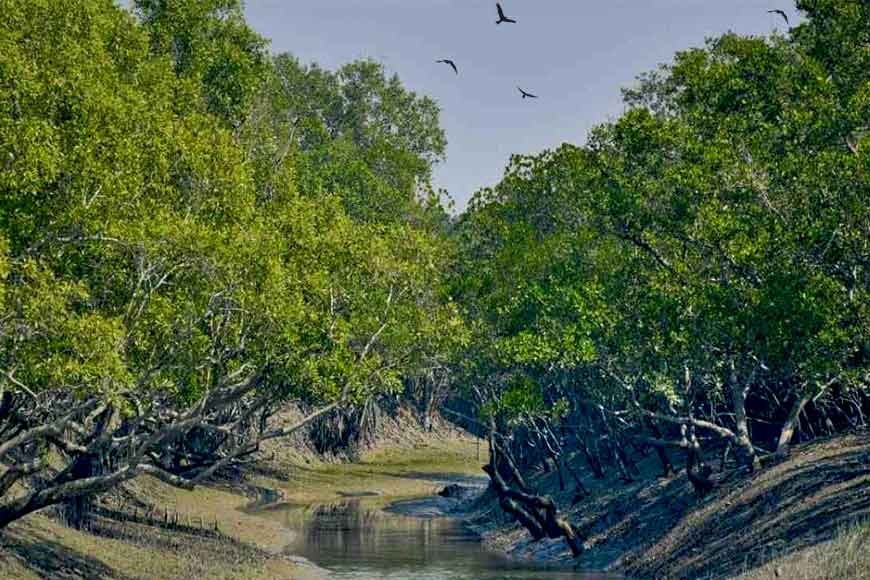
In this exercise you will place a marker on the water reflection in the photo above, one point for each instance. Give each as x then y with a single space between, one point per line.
355 539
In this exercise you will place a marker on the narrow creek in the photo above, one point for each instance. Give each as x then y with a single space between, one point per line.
357 539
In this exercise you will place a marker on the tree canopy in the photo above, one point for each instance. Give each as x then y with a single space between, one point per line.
700 261
178 260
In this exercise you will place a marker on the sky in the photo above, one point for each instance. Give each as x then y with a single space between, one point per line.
575 54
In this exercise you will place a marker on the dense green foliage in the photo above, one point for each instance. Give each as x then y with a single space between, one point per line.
140 224
179 210
707 248
356 133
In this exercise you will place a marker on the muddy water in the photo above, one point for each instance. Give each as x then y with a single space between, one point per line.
355 539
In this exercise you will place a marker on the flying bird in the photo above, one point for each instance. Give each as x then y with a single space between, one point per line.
526 95
501 16
781 13
450 62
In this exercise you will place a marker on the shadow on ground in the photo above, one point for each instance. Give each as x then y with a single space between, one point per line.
802 501
50 559
659 528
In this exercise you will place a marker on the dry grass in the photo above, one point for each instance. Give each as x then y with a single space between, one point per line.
229 507
796 504
39 547
846 557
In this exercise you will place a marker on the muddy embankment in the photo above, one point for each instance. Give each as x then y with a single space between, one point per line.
659 527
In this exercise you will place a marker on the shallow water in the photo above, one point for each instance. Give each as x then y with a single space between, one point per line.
356 539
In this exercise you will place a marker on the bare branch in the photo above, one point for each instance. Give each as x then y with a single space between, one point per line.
166 477
52 428
285 431
17 383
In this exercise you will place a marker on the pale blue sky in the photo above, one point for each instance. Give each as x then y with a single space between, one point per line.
575 54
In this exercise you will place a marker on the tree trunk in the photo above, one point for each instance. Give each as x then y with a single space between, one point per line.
514 471
592 459
21 506
702 484
428 409
527 508
562 462
744 440
511 507
77 510
667 467
545 464
559 473
695 459
557 526
724 460
791 423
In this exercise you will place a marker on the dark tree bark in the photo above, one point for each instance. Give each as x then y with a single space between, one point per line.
667 466
697 471
743 438
592 459
516 476
104 451
803 396
511 507
538 514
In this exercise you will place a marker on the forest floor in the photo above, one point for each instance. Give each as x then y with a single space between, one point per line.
130 538
801 514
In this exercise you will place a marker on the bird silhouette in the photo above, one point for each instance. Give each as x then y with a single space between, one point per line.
450 62
526 95
501 16
781 13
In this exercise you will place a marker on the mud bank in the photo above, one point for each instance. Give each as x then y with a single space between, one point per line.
659 528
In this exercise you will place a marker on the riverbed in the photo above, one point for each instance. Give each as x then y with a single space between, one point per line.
358 539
